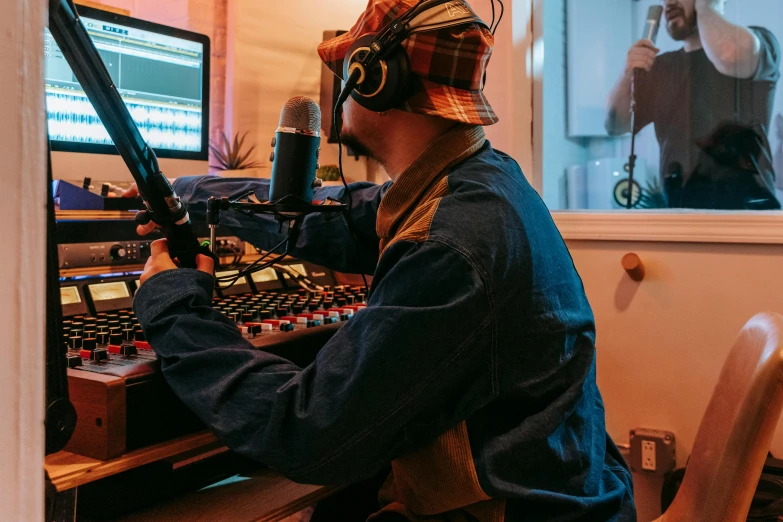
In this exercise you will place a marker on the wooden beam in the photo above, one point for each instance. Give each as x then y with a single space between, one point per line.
96 5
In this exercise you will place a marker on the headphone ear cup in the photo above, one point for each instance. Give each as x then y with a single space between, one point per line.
388 82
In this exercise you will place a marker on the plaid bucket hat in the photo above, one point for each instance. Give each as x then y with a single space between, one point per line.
447 65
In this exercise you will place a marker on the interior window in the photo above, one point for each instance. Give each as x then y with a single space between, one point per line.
708 107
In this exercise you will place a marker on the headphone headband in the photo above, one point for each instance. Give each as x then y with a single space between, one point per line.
453 13
423 17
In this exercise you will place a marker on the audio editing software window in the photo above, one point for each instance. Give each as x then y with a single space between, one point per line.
709 130
158 76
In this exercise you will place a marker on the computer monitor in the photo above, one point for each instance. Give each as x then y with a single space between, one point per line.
162 74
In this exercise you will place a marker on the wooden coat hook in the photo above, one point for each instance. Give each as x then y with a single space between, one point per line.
633 266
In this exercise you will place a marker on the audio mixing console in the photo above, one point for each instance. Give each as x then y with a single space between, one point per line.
121 399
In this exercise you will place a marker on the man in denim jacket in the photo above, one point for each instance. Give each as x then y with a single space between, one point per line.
471 372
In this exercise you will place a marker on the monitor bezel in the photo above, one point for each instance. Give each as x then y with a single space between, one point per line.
143 25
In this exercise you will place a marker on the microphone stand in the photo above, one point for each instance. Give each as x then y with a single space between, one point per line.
632 158
163 205
289 208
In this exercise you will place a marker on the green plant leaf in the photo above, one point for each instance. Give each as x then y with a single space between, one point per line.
219 156
241 141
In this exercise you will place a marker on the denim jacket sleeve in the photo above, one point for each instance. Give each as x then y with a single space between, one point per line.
325 239
399 373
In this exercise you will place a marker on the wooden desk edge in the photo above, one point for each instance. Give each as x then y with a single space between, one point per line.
301 503
68 470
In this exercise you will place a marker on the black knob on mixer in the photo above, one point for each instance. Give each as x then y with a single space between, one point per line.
115 339
73 361
139 335
128 349
118 252
90 343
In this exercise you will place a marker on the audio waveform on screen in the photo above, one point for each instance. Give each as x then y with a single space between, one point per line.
72 118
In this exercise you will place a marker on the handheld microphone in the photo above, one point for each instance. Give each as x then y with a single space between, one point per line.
653 23
295 158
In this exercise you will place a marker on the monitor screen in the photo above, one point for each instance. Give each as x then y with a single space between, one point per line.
162 74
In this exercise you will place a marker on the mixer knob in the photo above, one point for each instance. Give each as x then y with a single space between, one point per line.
117 252
73 360
89 344
128 350
75 342
115 339
99 355
139 335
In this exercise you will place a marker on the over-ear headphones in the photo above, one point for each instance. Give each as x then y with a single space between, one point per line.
379 63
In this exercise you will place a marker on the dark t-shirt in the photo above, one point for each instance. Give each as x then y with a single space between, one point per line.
686 97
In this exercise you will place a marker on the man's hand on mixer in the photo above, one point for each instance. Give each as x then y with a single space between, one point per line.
141 230
160 261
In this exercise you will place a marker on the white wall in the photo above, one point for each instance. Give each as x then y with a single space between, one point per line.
508 87
662 342
272 57
22 147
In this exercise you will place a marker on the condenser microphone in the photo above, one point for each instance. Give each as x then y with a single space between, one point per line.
295 158
653 23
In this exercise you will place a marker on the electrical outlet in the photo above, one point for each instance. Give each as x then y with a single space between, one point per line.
648 455
652 451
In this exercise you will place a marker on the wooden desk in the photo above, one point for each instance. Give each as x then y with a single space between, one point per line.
263 495
259 496
69 470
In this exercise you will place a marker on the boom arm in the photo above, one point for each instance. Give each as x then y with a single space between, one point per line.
163 205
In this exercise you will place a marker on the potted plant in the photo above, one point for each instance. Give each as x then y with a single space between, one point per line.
232 160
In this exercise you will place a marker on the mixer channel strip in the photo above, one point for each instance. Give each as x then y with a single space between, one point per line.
110 340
